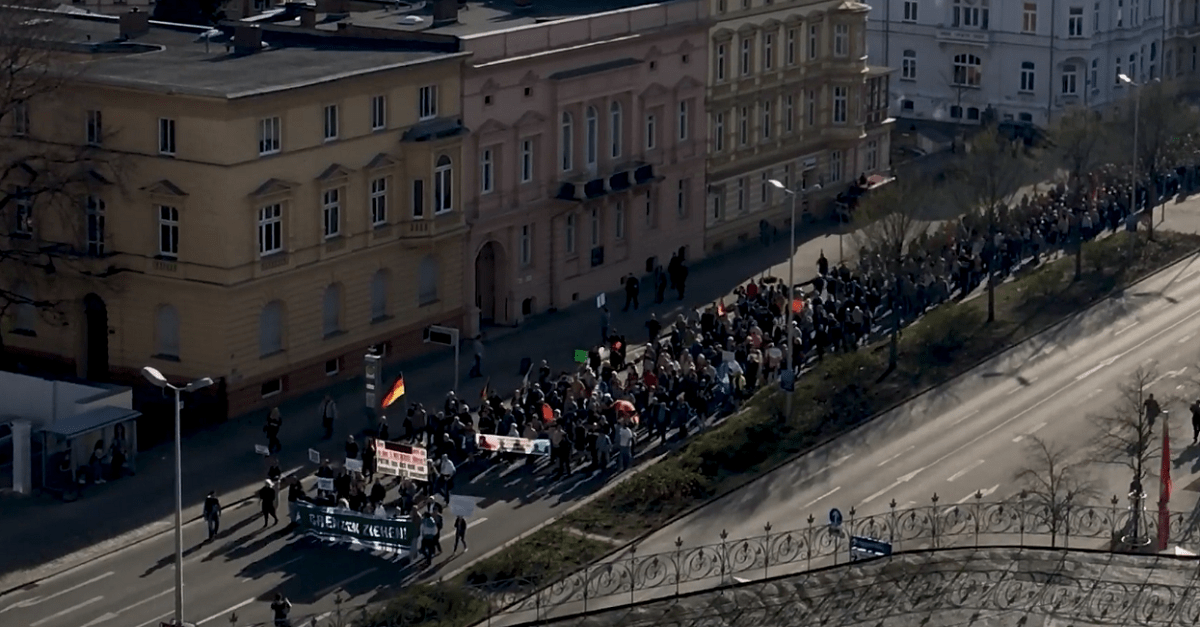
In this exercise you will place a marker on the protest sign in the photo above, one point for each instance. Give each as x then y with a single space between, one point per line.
581 356
325 484
601 300
353 465
335 524
314 456
462 505
262 450
505 444
401 460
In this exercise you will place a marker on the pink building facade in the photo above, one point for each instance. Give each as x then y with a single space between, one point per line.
586 158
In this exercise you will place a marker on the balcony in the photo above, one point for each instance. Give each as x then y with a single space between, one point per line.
623 178
968 37
432 228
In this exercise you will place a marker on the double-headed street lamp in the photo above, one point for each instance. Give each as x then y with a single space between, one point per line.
154 376
791 285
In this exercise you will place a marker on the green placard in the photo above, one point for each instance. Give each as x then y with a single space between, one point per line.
581 356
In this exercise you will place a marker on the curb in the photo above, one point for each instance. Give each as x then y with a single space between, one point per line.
1192 253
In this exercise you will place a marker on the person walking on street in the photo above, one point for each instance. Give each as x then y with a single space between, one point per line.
274 424
280 608
632 287
477 367
625 447
822 265
1152 409
653 328
1195 421
445 477
351 447
460 533
212 514
329 414
268 500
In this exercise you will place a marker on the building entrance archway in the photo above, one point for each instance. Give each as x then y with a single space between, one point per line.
487 285
95 338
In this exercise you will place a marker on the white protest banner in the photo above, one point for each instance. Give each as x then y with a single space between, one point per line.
462 505
335 524
325 484
314 456
401 460
601 300
262 450
353 465
506 444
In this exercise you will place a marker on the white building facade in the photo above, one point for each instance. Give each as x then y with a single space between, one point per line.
1023 60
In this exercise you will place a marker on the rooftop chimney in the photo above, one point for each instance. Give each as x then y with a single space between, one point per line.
134 24
247 39
445 12
308 17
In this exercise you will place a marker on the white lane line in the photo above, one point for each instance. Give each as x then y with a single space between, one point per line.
1127 327
959 474
36 600
1189 273
1093 394
880 493
893 457
841 460
111 615
821 498
62 613
1030 432
477 521
1090 372
1185 338
964 417
1171 374
345 582
224 613
983 494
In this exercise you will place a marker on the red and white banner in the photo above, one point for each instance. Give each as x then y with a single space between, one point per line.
401 460
506 444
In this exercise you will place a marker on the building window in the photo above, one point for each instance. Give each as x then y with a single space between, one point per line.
443 186
766 119
839 105
789 113
595 228
95 128
270 329
910 10
331 122
1075 22
811 108
841 40
684 121
427 102
1027 76
907 105
24 215
619 221
487 172
1070 79
970 14
1120 14
166 136
790 55
570 234
744 126
168 231
427 281
651 131
166 332
650 217
379 212
378 113
1029 18
718 206
719 63
270 133
814 41
718 132
741 194
1096 18
764 191
768 51
1094 73
418 199
379 294
566 143
615 128
973 113
331 212
1117 73
331 310
745 64
270 229
592 136
871 161
967 70
20 116
681 198
908 65
526 160
835 166
525 249
95 226
956 112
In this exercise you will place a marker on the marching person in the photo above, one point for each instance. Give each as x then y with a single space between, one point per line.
281 607
212 514
329 414
460 533
1152 409
274 424
1195 420
268 500
445 469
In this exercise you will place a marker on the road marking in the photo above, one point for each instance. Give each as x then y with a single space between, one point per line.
821 498
959 474
1190 273
1030 432
895 484
223 612
1090 372
1148 361
1093 394
156 620
841 460
965 416
477 521
1185 338
111 615
1127 327
983 494
345 582
62 613
36 600
893 457
1171 374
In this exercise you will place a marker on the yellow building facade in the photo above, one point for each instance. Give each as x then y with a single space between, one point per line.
264 235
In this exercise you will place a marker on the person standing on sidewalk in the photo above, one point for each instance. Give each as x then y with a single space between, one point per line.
625 447
632 287
212 514
460 533
274 424
268 500
329 414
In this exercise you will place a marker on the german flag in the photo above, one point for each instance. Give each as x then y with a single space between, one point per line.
396 393
483 394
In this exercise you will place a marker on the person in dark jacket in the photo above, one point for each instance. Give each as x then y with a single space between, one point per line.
212 514
268 500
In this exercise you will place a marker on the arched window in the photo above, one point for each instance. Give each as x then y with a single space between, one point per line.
331 307
967 70
592 132
568 129
443 185
270 329
166 332
614 130
427 281
379 295
24 312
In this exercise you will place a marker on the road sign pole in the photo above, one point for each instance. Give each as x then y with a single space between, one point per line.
457 372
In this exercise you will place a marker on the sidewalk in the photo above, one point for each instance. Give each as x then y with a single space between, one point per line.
43 536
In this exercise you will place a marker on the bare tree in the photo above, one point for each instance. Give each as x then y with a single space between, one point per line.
1054 484
44 179
1160 121
989 177
1081 144
888 226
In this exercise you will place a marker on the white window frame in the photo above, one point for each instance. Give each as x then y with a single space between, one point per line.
908 65
1074 22
595 223
651 131
166 137
744 126
94 128
329 118
525 245
790 55
443 186
1028 82
810 108
835 166
841 40
1029 18
592 136
741 194
814 42
527 160
487 171
331 212
840 104
567 141
910 11
378 201
1070 79
970 14
967 70
619 222
168 231
720 63
684 120
270 229
270 136
378 113
768 52
789 113
615 128
765 119
681 198
745 65
872 156
570 232
97 233
427 102
23 211
719 132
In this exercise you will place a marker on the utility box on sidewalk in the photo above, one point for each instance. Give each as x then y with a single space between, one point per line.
373 373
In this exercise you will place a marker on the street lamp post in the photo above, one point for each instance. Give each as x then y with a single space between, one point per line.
154 376
1137 121
791 328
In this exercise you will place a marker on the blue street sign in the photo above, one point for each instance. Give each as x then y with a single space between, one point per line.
835 517
866 548
787 381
